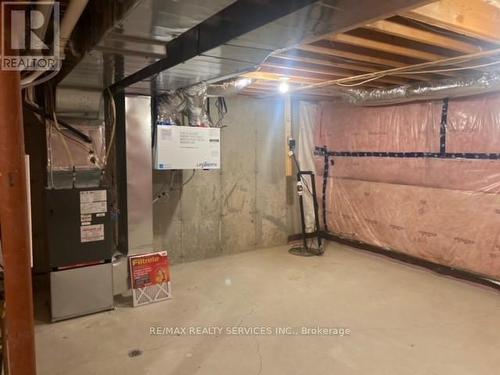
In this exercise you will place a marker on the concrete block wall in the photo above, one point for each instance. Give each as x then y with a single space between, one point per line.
245 205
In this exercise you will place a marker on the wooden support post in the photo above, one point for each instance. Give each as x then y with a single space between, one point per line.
14 230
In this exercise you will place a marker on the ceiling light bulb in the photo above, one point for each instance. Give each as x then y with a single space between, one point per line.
242 82
284 87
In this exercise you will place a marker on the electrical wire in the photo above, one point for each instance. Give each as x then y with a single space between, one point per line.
189 179
63 140
309 244
164 193
405 70
302 179
451 69
84 146
161 193
418 72
359 83
96 160
31 82
113 127
78 142
36 109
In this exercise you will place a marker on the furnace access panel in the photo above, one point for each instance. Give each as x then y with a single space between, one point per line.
78 226
186 147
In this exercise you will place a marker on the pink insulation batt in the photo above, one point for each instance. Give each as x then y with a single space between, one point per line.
443 210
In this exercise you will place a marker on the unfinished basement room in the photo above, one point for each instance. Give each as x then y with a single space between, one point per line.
251 187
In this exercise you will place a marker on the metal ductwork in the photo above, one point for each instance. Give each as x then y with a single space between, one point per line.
79 103
142 38
447 88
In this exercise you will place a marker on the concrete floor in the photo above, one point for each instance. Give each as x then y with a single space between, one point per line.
404 320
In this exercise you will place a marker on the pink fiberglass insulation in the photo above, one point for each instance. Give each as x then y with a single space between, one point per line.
453 174
404 128
443 210
474 124
455 228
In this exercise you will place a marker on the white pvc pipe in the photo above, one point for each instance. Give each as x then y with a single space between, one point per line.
71 16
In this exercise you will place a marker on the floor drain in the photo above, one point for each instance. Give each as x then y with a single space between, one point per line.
134 353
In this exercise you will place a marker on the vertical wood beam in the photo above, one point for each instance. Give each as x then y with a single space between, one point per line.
19 351
14 229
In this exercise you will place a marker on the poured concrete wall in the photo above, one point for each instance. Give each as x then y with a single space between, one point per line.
247 204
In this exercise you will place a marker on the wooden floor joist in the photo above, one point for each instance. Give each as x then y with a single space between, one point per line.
421 36
431 65
328 72
355 67
473 18
385 47
400 45
350 55
273 76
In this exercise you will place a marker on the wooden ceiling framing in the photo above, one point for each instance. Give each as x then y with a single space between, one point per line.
450 36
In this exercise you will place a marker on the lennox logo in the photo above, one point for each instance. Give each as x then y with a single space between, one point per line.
25 27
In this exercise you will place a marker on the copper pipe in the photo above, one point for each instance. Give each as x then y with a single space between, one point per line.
14 230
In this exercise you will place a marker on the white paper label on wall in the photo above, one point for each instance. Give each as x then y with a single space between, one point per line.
90 233
186 147
93 201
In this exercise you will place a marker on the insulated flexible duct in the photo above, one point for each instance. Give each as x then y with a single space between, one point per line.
448 88
190 101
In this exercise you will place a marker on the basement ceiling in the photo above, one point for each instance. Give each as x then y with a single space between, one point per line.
317 49
139 40
403 46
